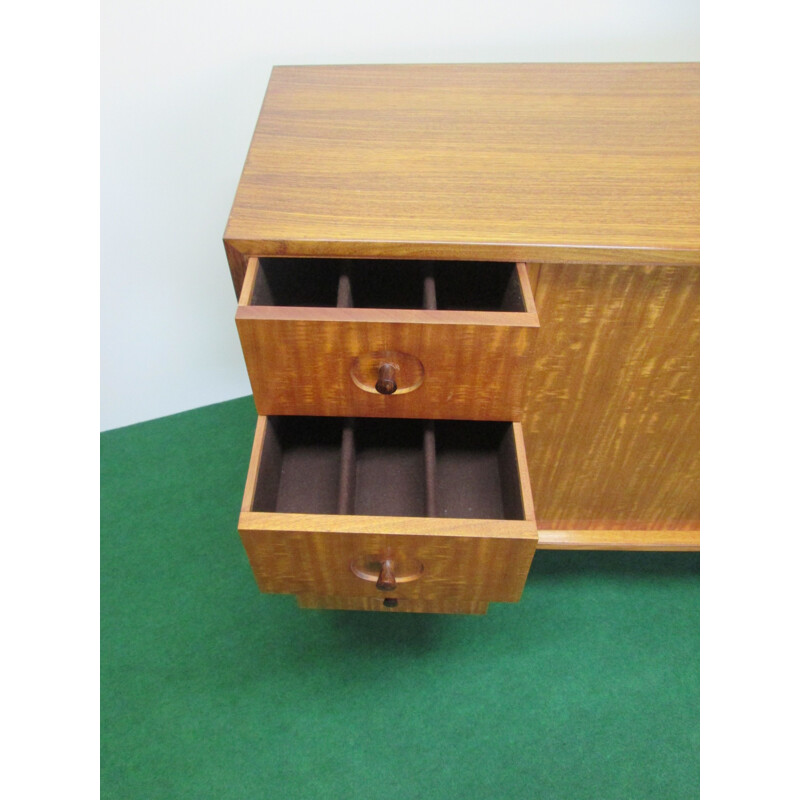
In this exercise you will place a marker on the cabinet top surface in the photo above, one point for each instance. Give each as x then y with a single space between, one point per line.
565 162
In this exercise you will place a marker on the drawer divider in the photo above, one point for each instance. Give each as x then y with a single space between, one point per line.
430 468
429 291
347 472
344 295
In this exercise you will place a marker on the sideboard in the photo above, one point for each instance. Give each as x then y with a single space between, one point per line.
469 311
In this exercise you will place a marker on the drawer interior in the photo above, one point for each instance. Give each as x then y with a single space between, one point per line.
389 467
373 283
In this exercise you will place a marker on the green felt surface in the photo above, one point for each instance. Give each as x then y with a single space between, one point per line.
588 688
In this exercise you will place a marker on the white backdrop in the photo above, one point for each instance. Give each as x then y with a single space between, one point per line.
181 86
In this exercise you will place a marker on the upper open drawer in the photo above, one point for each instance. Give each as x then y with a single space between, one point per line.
387 338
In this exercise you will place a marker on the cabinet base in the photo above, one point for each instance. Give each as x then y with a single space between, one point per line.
619 540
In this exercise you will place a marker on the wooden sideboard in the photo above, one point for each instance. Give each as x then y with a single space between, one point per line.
465 292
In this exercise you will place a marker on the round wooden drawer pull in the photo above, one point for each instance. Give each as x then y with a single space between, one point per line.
387 372
386 580
386 383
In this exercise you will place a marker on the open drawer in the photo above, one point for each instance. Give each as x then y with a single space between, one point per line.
411 339
388 514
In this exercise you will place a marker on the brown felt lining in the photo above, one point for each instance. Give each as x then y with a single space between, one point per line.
307 468
389 467
472 467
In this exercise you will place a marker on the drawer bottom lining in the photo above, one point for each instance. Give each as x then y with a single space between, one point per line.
381 467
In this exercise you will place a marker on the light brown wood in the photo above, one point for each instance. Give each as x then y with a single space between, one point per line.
249 282
300 359
255 460
612 418
525 486
585 163
405 605
587 173
619 540
528 279
237 263
464 560
461 560
533 277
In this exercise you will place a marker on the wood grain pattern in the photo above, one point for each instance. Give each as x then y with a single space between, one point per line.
475 363
587 172
612 407
585 163
528 276
237 264
249 282
405 605
619 540
255 461
464 560
525 486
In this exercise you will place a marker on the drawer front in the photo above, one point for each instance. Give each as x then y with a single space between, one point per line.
452 560
442 363
438 513
307 367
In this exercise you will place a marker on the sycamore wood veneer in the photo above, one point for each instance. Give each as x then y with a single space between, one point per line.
612 416
587 174
553 163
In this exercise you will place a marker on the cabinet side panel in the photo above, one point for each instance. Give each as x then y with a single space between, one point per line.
612 417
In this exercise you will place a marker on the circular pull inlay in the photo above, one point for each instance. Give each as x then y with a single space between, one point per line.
386 571
387 372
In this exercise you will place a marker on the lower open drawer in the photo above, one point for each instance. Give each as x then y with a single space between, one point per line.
389 514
